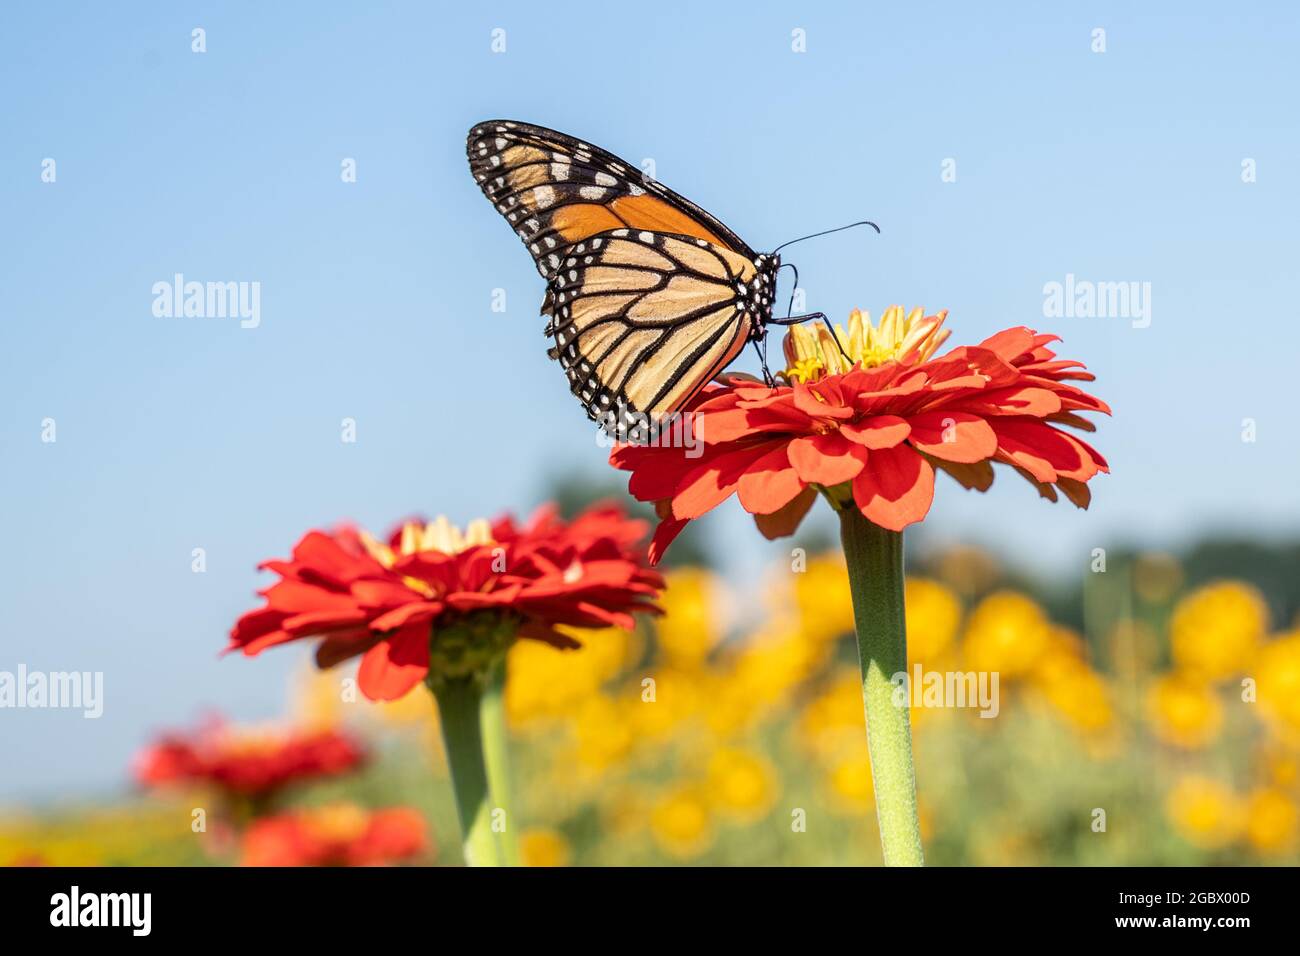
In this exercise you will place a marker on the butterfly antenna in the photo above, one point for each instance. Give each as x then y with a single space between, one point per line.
827 232
791 319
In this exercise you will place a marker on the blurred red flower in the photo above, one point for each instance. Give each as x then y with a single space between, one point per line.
389 601
247 763
337 835
873 426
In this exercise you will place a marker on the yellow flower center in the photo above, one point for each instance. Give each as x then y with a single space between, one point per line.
812 352
437 535
805 369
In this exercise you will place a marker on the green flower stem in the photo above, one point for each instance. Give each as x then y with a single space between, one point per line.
496 750
460 705
875 561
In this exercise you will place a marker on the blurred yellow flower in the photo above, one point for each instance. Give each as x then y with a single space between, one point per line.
775 660
655 710
1078 693
1007 632
741 784
849 779
545 682
1278 683
822 599
730 708
688 631
681 823
1215 631
1283 768
1271 821
1063 643
542 846
1184 712
835 717
603 737
933 615
1204 812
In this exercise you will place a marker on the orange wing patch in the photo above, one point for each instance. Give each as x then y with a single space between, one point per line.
651 212
556 191
584 220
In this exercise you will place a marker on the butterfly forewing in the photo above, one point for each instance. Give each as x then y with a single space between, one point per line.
649 295
555 191
642 320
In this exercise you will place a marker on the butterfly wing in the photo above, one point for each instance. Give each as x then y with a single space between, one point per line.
556 191
642 320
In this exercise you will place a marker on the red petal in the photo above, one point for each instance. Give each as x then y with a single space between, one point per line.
668 529
295 597
1010 344
895 489
977 476
337 648
878 431
1040 449
709 484
392 667
954 436
381 595
769 484
826 459
813 401
1076 491
785 522
415 612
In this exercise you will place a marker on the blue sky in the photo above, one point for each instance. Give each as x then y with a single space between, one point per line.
180 433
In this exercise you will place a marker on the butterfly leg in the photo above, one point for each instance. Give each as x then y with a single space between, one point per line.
768 380
796 319
821 317
838 344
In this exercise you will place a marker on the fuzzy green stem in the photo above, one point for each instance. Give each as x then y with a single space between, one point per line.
460 706
496 750
875 562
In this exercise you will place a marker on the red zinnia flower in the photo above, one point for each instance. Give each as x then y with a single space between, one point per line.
431 588
248 763
338 835
871 428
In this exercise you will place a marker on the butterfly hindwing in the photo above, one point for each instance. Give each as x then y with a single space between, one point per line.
642 320
556 191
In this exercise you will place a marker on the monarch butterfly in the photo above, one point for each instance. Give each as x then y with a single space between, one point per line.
648 296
